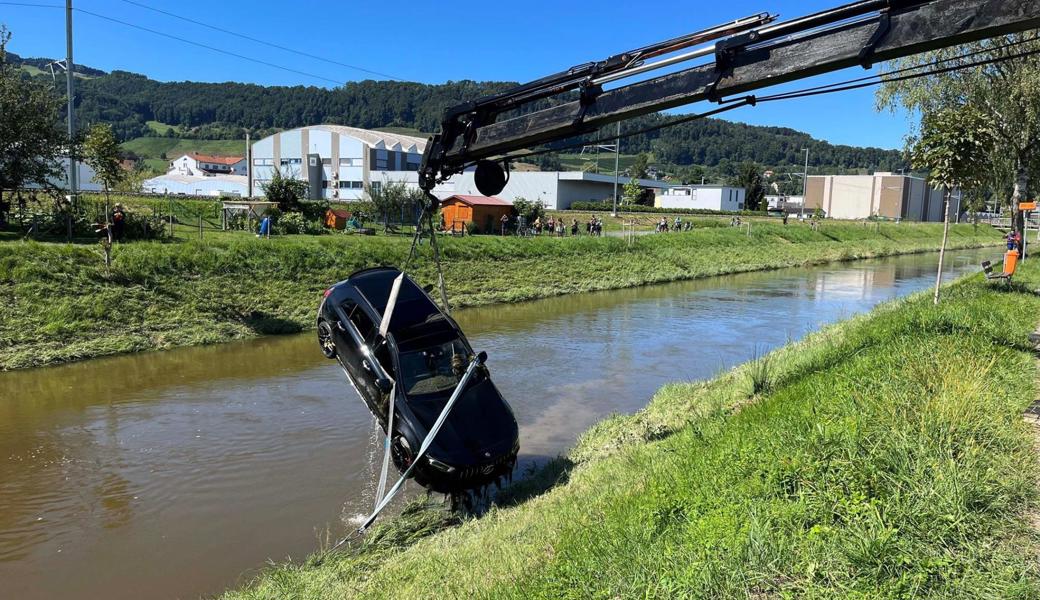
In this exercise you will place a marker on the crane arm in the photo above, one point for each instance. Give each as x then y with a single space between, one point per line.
748 54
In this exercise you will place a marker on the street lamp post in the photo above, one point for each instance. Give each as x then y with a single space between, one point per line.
805 186
617 160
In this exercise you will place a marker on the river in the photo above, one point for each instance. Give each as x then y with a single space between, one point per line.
176 474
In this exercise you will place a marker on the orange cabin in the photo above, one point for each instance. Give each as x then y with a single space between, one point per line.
336 219
483 211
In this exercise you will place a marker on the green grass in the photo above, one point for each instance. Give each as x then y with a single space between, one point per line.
154 147
885 459
162 128
61 305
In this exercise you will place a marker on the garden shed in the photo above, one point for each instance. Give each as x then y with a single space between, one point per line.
485 212
336 218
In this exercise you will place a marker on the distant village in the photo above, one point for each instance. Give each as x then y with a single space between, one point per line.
339 163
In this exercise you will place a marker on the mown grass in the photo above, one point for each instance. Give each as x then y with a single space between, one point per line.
60 304
886 458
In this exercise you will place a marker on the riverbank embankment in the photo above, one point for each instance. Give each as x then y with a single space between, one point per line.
62 304
883 457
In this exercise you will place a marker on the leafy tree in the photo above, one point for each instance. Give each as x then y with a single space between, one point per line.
393 198
31 142
954 146
285 189
101 152
631 192
549 162
750 178
1006 93
639 166
528 209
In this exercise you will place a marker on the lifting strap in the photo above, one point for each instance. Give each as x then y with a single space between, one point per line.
476 363
384 326
422 226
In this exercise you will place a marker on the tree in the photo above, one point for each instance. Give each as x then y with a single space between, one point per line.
101 152
955 146
1006 93
392 198
549 162
749 177
285 189
31 142
530 210
631 193
639 166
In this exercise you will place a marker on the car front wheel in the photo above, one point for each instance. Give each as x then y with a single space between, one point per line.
325 339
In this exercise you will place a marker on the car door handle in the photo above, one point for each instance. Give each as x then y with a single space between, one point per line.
366 365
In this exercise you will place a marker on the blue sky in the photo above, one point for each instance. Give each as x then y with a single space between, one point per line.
424 41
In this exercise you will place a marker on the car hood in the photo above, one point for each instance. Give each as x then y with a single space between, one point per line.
479 428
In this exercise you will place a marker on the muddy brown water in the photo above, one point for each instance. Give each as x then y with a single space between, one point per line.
177 474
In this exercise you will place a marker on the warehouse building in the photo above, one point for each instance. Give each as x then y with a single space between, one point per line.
197 185
703 197
884 195
336 161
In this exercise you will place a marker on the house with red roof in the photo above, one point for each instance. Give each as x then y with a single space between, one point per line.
196 164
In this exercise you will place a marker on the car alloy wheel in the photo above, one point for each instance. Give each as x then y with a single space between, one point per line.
325 341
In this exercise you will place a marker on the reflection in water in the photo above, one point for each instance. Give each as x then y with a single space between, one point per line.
166 475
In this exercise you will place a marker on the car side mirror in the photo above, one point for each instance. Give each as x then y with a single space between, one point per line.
384 385
428 288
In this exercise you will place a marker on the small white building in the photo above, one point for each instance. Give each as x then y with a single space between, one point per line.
703 197
196 185
207 165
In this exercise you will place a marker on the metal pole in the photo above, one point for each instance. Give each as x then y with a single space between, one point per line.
617 160
73 184
249 168
805 186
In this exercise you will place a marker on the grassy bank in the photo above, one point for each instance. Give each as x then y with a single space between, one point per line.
884 457
61 304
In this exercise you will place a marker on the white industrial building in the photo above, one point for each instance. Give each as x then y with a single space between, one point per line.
337 162
884 195
703 197
195 185
206 165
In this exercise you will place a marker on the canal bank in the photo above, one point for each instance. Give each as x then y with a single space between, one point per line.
883 457
176 474
62 304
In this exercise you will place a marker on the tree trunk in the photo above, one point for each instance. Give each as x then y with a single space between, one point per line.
1021 194
942 249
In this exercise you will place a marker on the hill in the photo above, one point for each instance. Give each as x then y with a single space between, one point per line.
137 106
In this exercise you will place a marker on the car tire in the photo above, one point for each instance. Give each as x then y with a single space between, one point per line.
401 452
326 341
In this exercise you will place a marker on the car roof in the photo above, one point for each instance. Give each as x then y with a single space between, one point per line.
415 314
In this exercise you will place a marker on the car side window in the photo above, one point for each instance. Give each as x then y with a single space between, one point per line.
364 325
383 356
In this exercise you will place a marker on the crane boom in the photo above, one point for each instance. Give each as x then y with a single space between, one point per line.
749 54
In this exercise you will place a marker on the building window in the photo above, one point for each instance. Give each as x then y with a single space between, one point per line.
381 164
344 185
350 162
376 185
412 166
326 161
313 162
357 185
324 184
291 161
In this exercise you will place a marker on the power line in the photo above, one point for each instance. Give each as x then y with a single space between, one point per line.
32 4
208 47
263 42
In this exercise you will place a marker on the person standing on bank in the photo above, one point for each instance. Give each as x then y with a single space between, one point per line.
118 224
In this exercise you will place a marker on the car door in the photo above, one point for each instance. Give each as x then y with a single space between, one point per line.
357 328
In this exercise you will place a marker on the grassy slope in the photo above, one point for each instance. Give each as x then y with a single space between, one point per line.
61 306
884 457
154 147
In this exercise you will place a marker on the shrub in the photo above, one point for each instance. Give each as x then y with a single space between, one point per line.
296 223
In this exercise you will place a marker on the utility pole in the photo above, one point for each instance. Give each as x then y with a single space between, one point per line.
73 184
805 186
617 161
249 168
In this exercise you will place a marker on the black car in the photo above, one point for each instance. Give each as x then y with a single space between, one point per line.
425 353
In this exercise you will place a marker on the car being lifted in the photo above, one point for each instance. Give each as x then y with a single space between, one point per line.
420 359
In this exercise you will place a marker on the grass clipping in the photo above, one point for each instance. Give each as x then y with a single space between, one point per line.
884 457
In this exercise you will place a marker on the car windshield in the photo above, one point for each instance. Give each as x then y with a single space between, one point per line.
434 369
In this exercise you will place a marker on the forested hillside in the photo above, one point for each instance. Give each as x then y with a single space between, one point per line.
223 110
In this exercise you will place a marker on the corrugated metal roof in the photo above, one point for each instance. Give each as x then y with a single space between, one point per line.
478 200
378 139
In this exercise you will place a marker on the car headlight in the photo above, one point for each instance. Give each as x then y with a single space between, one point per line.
440 466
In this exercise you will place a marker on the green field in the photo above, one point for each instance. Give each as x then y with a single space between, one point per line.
882 458
155 147
162 128
62 305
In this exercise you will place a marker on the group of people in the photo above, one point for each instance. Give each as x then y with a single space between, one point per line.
559 227
678 225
